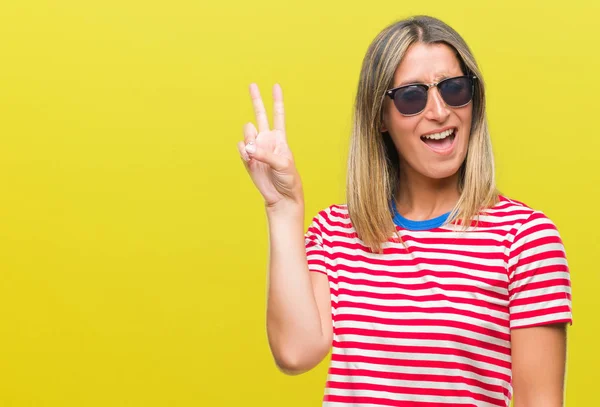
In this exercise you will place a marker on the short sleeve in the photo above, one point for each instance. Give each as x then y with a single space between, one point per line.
313 242
538 274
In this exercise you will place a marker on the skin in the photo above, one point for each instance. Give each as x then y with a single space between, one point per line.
538 365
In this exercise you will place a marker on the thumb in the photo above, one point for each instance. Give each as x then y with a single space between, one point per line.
277 162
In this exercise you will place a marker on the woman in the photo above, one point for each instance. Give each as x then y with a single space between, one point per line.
429 286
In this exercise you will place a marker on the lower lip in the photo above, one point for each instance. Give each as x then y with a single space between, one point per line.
445 151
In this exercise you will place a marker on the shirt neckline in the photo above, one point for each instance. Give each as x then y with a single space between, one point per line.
408 224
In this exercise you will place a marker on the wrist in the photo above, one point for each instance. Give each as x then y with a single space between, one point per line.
285 208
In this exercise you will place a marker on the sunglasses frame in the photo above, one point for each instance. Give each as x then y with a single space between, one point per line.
392 92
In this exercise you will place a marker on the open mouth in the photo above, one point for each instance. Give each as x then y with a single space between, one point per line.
440 141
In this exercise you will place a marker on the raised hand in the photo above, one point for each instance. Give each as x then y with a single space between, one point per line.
266 154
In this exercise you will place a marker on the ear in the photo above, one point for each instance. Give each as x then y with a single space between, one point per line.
382 126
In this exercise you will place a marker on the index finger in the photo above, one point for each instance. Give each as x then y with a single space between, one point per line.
278 111
259 109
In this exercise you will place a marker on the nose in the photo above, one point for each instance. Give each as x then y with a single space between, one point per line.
436 108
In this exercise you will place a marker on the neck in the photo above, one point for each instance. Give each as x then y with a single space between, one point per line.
422 198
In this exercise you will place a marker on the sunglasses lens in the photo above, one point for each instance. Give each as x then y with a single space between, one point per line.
457 91
411 99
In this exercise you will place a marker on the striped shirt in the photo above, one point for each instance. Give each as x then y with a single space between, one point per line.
430 325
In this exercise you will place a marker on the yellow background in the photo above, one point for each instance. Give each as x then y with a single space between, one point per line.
133 246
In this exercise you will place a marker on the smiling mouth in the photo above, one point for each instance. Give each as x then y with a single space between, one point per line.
440 141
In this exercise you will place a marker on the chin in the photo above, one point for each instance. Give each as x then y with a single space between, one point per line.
442 171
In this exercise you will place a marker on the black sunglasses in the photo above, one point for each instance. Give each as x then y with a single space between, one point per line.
411 99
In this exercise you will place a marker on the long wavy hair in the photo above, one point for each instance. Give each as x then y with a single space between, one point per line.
373 155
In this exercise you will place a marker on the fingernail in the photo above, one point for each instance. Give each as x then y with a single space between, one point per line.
251 148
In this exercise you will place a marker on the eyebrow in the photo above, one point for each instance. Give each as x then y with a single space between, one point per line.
438 78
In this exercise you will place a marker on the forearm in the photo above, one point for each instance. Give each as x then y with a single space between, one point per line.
293 322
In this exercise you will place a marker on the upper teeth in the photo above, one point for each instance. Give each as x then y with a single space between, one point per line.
438 136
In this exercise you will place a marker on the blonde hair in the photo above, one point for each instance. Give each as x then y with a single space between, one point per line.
373 156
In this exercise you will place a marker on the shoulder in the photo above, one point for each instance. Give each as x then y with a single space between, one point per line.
517 214
331 218
335 210
530 229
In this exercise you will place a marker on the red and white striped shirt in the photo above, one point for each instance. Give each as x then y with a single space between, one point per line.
431 326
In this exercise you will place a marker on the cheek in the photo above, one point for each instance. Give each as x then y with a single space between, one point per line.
404 137
401 127
467 118
468 135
